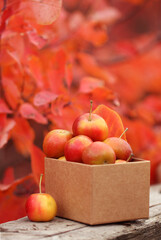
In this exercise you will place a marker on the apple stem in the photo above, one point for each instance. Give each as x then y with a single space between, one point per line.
90 112
128 160
40 182
123 133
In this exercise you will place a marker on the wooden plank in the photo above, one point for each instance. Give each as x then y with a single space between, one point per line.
27 229
59 228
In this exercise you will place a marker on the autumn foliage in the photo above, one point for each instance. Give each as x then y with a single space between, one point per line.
50 68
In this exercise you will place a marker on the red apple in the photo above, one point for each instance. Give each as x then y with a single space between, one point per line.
41 207
91 125
75 146
98 153
121 147
54 142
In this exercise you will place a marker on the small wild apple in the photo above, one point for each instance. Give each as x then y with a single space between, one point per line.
75 146
124 161
121 147
41 207
91 125
62 158
98 153
54 142
120 161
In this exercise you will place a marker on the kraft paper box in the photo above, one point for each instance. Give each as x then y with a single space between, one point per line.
97 194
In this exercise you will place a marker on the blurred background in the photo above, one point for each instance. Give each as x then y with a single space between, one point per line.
107 50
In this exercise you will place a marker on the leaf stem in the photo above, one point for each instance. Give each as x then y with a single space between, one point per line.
41 175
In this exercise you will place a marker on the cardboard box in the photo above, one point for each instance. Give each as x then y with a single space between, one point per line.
97 194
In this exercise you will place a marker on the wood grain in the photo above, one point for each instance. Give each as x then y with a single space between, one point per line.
59 228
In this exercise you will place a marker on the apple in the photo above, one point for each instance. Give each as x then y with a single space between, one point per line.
124 161
54 142
91 125
120 161
62 158
121 147
74 148
98 153
41 207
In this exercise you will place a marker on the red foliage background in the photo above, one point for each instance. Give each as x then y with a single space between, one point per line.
108 51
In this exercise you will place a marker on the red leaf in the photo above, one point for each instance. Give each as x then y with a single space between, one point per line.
37 162
4 108
140 135
91 67
8 176
105 16
129 91
150 109
28 111
112 119
137 2
127 48
44 97
87 84
5 127
76 20
69 74
12 92
36 40
153 154
10 53
64 112
44 12
36 69
5 14
23 136
138 76
56 72
153 103
103 94
93 34
13 198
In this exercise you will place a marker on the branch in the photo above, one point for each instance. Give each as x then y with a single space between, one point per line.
4 5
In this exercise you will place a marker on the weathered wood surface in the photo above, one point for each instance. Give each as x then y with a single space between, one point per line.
149 229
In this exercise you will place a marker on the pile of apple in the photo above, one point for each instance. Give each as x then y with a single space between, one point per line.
89 142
